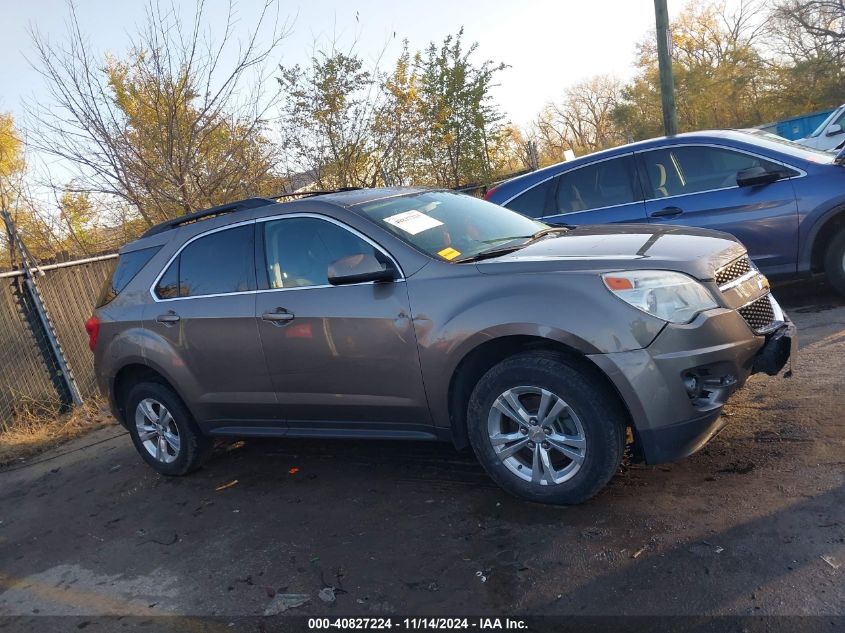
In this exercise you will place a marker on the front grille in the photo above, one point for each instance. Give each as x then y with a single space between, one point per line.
758 314
734 270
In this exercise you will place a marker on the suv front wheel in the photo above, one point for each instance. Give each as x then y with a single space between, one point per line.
544 431
163 431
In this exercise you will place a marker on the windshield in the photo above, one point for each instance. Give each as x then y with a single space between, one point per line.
783 146
825 123
451 226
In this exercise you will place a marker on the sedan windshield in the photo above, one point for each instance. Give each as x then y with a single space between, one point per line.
452 226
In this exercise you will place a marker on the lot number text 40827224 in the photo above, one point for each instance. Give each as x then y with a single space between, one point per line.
435 624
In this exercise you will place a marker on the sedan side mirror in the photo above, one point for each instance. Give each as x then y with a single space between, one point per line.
757 176
360 268
833 130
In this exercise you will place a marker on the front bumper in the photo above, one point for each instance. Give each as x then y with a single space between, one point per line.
676 387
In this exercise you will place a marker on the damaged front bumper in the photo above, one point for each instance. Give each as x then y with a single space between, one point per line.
779 349
676 387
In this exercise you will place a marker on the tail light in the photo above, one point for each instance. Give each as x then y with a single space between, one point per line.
489 193
92 326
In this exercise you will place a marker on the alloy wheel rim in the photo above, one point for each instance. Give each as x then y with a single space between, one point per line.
157 430
537 435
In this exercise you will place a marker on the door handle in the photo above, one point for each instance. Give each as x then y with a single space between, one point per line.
668 212
279 317
169 318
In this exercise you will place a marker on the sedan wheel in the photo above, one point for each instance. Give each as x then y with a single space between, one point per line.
537 435
157 430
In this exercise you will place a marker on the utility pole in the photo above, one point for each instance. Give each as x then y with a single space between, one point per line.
664 60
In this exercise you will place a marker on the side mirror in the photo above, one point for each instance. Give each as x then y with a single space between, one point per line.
360 268
756 176
833 130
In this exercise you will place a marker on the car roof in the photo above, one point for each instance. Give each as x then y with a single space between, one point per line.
705 135
235 211
514 185
357 197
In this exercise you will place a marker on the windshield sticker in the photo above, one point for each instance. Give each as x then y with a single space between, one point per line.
413 222
448 253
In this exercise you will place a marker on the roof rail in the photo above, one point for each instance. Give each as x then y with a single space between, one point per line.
240 205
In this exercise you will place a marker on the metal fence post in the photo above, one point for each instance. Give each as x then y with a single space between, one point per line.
72 390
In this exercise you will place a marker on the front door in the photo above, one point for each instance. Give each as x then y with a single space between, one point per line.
340 357
695 185
205 312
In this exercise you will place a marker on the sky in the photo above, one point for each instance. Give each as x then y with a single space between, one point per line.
547 44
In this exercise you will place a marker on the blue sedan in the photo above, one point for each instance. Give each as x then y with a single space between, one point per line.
785 202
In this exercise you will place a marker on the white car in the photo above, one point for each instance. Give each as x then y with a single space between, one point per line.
830 134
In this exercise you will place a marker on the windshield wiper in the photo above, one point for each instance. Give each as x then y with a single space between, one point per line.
489 253
504 250
560 228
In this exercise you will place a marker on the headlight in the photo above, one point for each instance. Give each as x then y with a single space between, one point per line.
670 296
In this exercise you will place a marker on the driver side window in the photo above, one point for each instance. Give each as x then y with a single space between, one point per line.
675 171
298 251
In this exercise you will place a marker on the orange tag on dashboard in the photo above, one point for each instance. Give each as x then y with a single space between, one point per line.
448 253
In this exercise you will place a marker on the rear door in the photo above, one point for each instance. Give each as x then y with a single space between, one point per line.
695 185
205 309
602 192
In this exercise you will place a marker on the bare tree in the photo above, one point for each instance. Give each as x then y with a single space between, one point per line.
582 121
172 125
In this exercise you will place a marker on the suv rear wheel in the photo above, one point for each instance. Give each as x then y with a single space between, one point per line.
544 431
834 262
163 431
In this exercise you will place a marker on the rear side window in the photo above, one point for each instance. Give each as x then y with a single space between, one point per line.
535 202
606 183
219 263
128 265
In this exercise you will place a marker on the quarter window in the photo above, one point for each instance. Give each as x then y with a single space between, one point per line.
299 251
219 263
128 265
675 171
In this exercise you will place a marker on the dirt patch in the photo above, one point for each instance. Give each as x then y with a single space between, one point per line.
35 430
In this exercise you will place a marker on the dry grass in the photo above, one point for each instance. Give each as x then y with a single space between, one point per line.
37 428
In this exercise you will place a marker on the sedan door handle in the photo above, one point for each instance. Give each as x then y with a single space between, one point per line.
168 318
668 212
279 317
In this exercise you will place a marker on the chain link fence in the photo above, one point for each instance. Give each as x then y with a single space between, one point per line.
29 375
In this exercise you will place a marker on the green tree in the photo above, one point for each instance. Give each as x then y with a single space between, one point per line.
808 38
457 112
328 117
722 79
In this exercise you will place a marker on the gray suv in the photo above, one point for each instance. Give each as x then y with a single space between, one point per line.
420 314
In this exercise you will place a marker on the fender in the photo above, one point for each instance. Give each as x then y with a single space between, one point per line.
581 316
139 346
811 227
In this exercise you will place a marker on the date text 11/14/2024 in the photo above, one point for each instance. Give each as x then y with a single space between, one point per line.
435 624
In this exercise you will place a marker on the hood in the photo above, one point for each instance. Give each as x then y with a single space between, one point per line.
696 252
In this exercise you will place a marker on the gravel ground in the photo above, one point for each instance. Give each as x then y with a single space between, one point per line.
752 525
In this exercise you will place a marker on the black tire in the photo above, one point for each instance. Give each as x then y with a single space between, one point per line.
834 262
194 447
602 421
